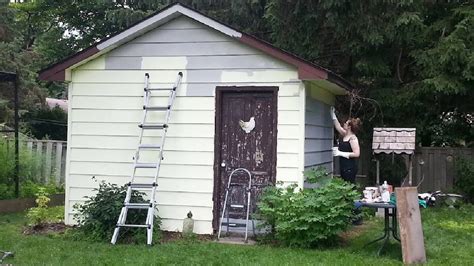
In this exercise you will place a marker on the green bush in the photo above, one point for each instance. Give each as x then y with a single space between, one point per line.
6 192
37 215
318 176
28 189
42 213
98 215
30 163
309 217
6 171
465 178
30 166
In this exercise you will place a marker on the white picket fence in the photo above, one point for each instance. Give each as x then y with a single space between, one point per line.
53 159
50 158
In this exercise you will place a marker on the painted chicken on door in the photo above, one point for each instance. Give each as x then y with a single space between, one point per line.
246 120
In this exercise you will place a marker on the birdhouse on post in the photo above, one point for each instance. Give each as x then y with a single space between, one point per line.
401 141
395 141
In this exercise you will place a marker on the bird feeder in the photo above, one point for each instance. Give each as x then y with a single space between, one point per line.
395 141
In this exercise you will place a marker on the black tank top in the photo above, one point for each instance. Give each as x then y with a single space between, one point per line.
344 163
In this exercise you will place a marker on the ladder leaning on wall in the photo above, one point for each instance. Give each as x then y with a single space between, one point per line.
134 186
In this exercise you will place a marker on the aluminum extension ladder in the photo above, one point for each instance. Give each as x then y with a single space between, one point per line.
242 207
132 185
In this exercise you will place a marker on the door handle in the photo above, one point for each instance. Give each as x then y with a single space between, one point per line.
223 164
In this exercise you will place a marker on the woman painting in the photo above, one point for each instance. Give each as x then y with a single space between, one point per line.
348 149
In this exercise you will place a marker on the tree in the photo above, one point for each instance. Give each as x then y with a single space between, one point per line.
16 55
47 123
414 58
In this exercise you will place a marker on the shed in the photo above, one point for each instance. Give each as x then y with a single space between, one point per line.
228 76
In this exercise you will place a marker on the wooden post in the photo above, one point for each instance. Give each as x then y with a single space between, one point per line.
378 172
59 156
410 170
411 229
39 160
63 164
47 164
29 146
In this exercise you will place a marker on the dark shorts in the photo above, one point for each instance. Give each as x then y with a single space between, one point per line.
349 174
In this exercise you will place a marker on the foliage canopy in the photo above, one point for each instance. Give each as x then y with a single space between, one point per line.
414 58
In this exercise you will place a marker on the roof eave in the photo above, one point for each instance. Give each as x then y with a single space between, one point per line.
57 72
305 69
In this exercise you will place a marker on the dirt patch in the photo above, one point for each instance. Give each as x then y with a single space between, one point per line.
354 232
46 229
168 236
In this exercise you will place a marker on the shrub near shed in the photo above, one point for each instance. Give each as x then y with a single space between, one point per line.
309 217
97 216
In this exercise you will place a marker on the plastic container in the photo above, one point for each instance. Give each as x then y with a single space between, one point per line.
385 192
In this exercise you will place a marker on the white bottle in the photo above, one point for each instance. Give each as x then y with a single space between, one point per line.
385 193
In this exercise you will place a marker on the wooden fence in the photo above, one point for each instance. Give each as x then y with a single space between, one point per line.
52 154
45 160
438 168
438 171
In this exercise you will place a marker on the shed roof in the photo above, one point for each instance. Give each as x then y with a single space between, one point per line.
394 140
306 70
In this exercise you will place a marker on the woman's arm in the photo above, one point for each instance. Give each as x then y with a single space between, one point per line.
337 125
355 147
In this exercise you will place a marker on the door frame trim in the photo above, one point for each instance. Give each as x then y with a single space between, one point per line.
220 90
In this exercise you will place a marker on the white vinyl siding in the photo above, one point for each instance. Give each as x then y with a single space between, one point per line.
319 134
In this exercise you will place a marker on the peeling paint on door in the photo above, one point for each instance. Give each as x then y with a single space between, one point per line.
258 157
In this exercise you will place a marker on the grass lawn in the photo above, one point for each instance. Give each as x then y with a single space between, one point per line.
449 240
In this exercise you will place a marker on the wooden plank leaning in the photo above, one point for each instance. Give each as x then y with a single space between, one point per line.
411 229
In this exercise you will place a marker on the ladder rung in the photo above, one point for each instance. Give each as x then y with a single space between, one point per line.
237 206
149 146
159 89
153 126
146 165
142 185
237 215
134 225
234 224
157 108
138 205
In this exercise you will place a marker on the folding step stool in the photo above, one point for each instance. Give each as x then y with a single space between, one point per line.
236 208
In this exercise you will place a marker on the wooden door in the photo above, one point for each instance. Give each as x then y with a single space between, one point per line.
253 149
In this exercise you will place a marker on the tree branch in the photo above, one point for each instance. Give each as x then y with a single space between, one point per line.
398 65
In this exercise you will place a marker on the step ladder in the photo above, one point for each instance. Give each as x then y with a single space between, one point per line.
237 208
132 185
